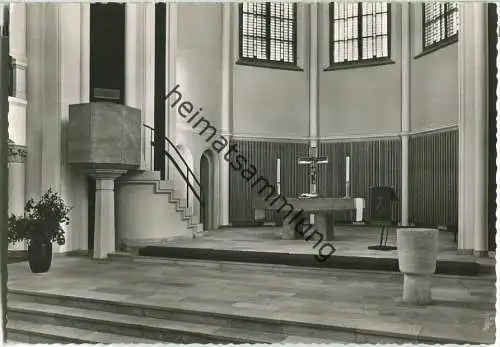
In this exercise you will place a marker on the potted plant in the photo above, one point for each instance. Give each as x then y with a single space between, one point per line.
40 226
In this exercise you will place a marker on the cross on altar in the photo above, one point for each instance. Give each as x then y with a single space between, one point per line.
313 160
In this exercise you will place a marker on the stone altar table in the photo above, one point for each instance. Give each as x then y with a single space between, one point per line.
322 207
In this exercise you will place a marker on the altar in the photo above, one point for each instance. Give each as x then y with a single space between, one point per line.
314 209
323 209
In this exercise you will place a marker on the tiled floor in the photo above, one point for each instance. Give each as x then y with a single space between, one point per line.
349 241
463 306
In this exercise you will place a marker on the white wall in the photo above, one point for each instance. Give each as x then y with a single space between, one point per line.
274 103
199 70
271 102
199 58
434 82
364 100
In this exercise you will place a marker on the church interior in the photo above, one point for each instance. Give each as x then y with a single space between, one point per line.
232 167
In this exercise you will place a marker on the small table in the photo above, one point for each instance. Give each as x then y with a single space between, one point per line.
322 207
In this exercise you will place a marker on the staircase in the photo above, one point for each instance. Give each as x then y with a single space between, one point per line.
40 317
152 211
49 318
53 318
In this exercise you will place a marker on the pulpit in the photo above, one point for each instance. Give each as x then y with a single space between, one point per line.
104 140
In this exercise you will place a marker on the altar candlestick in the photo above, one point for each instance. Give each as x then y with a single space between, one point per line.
278 175
347 177
347 169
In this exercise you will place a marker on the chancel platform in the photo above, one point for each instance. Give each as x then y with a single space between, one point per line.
323 208
264 245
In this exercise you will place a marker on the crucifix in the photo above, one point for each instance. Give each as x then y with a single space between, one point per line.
313 160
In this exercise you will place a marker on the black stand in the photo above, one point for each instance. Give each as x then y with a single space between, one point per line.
383 247
381 203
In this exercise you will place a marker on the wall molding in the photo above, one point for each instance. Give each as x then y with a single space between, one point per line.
344 138
182 126
433 130
263 138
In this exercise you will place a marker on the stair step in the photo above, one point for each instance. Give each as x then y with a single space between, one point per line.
186 322
143 327
29 332
341 331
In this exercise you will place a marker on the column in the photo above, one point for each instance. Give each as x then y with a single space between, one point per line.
16 160
16 163
133 62
104 231
132 35
35 84
405 109
4 196
85 52
171 52
314 9
473 126
17 108
227 108
139 69
313 75
148 74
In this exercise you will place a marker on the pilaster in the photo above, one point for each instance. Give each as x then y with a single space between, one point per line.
314 16
406 58
85 52
133 41
148 75
59 64
17 109
473 128
16 163
227 107
35 39
313 73
171 80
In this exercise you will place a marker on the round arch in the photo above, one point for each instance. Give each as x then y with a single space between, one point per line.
209 179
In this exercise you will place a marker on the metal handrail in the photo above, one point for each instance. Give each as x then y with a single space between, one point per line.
186 179
189 186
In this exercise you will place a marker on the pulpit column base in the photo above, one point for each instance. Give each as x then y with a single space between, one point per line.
104 230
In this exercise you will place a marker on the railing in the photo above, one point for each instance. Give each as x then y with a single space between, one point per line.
186 174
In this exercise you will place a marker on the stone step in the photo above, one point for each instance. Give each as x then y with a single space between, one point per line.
256 267
157 329
28 332
190 323
252 267
443 267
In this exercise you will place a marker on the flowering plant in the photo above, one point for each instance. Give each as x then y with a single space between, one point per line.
42 221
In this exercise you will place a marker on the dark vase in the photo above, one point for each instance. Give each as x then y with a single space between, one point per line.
40 256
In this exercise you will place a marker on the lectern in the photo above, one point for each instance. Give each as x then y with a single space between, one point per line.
382 200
